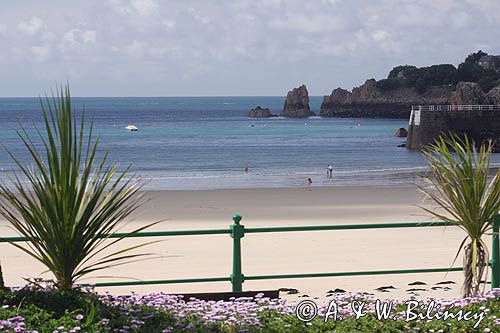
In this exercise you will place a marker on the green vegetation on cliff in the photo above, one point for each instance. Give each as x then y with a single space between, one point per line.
425 77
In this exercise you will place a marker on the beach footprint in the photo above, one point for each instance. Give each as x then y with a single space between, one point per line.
289 291
336 291
417 283
446 282
415 289
442 288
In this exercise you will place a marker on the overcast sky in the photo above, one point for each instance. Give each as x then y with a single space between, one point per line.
255 47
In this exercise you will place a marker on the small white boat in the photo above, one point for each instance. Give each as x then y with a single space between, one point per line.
131 128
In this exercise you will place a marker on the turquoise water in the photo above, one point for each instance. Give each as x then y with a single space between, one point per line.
205 142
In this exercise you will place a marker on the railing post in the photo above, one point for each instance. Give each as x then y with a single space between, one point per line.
237 233
495 257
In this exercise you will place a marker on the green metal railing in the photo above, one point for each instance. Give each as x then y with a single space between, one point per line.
237 231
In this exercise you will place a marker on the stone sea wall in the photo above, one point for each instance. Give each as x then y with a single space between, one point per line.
480 125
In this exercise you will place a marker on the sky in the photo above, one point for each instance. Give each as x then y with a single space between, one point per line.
226 48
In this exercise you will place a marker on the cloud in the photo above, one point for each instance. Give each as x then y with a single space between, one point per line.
135 49
260 47
141 8
169 24
35 27
31 27
145 7
77 43
198 15
76 36
380 35
308 24
460 20
40 53
89 36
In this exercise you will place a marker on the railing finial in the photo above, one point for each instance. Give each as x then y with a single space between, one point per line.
236 218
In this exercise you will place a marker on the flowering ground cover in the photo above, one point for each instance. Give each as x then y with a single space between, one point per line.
37 309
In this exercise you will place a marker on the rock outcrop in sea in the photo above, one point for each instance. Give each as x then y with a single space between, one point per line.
259 112
297 103
401 133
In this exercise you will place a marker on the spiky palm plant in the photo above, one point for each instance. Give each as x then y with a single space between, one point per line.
70 201
466 196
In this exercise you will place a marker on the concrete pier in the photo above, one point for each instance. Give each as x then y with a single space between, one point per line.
479 122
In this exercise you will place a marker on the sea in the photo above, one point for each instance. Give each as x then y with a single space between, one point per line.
186 143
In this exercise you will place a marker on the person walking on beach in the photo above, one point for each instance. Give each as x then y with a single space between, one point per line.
246 167
309 182
329 171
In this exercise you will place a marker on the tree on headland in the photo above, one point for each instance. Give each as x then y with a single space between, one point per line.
422 78
460 186
418 78
71 202
420 85
473 58
401 71
488 79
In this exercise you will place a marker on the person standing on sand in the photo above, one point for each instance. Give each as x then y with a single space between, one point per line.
309 182
246 167
329 171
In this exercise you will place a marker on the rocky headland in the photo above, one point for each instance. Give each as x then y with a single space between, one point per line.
297 103
474 81
368 100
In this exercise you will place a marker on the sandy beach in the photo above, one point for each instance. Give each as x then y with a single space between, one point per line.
282 253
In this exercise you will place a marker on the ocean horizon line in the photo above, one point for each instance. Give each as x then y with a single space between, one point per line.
178 96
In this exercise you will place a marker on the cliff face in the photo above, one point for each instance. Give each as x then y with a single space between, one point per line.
468 93
494 95
297 103
368 100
